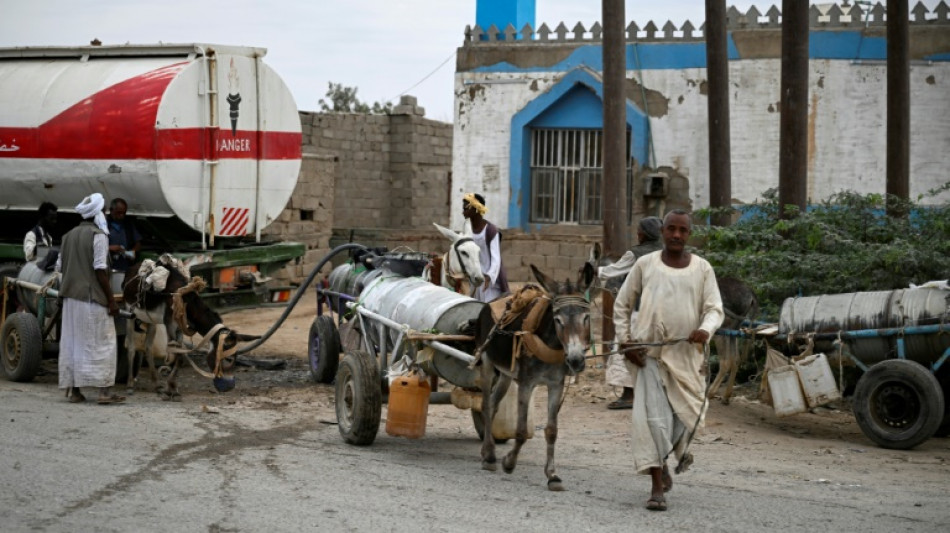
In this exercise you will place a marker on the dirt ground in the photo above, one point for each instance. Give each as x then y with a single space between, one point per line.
752 470
823 446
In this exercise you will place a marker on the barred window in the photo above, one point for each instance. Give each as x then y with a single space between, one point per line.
567 176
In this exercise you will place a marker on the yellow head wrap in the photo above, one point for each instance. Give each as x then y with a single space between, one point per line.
470 199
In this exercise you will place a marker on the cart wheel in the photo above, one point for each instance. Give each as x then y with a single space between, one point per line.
324 349
22 346
359 403
898 404
479 423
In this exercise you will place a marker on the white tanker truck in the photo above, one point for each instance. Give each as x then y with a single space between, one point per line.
202 141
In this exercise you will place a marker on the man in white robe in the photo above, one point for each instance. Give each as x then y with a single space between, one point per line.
488 238
680 309
87 351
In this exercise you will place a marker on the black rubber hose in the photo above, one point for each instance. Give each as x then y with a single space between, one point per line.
297 295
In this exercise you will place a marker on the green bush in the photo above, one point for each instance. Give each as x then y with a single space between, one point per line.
844 244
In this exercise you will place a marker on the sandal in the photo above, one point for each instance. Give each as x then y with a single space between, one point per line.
76 398
620 404
656 504
112 398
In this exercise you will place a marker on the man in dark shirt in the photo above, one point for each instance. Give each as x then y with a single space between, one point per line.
124 239
39 236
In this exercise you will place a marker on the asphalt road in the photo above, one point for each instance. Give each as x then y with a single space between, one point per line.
270 459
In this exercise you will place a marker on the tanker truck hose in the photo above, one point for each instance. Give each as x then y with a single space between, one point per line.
297 295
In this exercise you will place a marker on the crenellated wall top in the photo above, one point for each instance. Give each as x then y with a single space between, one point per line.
821 17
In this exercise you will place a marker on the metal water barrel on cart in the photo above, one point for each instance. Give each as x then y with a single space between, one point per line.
423 306
407 302
29 299
899 336
350 279
29 336
21 334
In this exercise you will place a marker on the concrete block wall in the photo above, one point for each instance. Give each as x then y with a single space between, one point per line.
558 254
361 145
367 171
308 216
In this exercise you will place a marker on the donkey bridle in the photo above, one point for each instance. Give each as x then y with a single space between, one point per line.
458 255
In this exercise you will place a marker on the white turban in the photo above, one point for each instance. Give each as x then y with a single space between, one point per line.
91 207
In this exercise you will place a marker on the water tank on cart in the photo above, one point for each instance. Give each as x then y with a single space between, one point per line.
425 307
853 311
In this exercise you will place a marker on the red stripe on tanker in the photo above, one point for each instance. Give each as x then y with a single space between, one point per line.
158 125
119 122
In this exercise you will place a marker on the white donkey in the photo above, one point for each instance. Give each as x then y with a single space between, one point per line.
461 263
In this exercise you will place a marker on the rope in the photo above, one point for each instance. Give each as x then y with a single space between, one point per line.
179 309
221 353
45 289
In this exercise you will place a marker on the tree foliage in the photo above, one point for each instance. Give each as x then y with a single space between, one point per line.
342 99
844 244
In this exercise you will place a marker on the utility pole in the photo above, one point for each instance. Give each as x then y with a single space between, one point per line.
793 136
898 105
615 137
717 72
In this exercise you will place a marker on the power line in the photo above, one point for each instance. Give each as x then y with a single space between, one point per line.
427 76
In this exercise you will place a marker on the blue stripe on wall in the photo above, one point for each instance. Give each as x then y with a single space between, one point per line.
846 45
659 56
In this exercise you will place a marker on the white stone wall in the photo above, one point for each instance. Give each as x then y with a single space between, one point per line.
847 128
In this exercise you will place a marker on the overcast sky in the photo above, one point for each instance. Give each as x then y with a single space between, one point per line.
382 47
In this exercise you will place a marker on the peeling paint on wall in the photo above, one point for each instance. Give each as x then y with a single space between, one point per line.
657 105
475 90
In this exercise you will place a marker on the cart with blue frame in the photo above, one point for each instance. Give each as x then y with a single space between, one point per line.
900 339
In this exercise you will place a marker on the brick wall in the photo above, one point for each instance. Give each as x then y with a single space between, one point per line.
559 253
308 216
367 171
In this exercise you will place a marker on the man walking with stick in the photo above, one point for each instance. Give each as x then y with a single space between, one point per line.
680 309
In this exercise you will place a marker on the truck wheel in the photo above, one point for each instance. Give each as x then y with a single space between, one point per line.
479 424
324 349
22 346
359 402
898 404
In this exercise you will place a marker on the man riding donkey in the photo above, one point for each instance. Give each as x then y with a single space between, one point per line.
488 238
680 309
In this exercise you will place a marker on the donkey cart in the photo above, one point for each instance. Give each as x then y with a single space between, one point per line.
899 339
390 323
29 314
